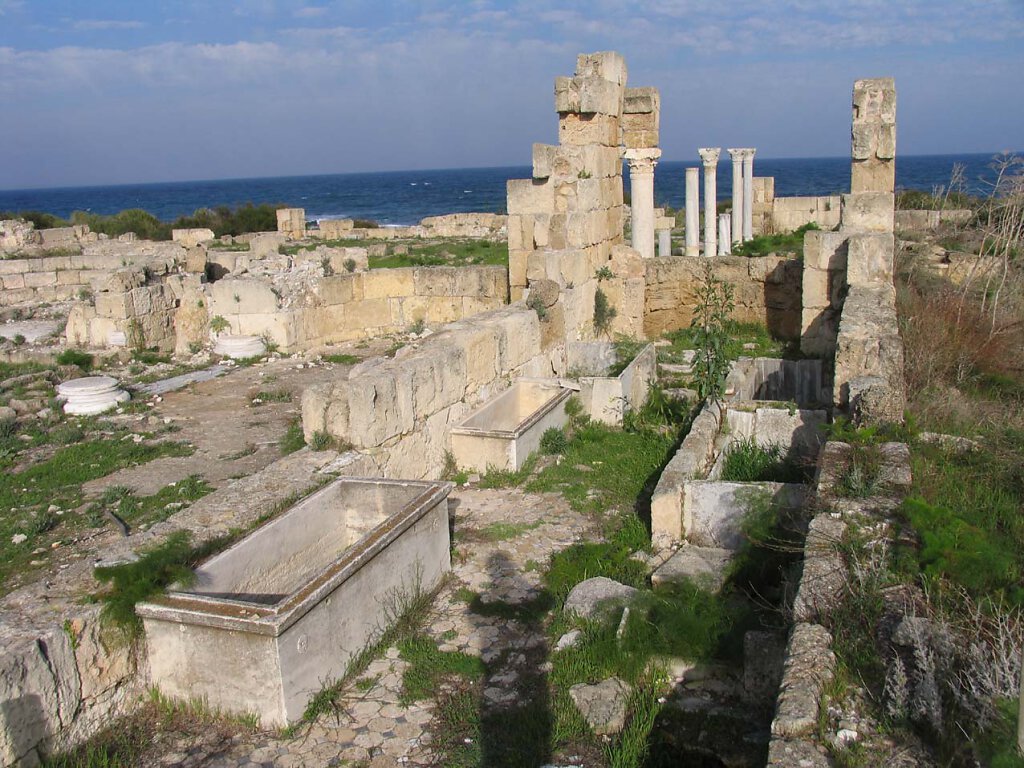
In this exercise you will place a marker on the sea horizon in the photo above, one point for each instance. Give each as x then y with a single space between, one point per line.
402 197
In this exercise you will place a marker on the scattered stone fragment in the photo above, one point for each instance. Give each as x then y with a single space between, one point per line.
588 597
602 705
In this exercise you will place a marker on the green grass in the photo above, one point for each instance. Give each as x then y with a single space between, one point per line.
739 334
611 558
83 360
429 667
293 440
762 245
137 510
272 396
622 467
26 495
748 461
447 253
965 510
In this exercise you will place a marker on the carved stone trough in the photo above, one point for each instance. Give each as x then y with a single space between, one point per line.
505 430
271 620
607 397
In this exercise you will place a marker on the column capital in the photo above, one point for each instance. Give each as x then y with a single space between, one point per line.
709 155
742 153
736 155
642 160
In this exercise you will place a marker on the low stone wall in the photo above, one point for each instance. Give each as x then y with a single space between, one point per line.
810 662
476 226
908 221
790 213
49 278
399 410
771 378
356 306
767 290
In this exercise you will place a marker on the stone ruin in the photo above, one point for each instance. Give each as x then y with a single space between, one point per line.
565 229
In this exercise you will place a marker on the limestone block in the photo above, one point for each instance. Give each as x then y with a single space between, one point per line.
77 329
644 100
580 130
368 313
338 289
873 176
55 263
870 259
237 296
517 267
526 196
434 281
605 64
567 95
520 233
13 282
825 250
544 157
11 298
380 404
292 222
59 237
189 238
388 283
440 310
41 691
281 327
69 277
868 211
480 347
116 306
40 279
191 322
15 266
264 244
335 229
101 328
599 96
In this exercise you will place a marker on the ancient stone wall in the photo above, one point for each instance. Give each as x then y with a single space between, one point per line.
328 310
773 214
566 222
767 290
398 411
81 268
477 226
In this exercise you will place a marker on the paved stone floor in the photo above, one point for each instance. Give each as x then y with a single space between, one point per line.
371 726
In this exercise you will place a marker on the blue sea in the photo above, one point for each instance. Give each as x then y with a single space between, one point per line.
405 197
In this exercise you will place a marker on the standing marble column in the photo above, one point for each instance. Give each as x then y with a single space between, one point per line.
748 194
664 243
692 212
709 157
641 191
724 234
738 193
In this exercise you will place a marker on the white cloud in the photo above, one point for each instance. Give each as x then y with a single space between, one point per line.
310 11
98 25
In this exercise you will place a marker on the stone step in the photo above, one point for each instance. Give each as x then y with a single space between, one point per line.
705 566
675 369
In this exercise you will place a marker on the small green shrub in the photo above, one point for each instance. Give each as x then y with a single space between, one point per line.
604 313
748 461
218 324
350 265
553 441
535 303
322 440
83 360
341 359
293 439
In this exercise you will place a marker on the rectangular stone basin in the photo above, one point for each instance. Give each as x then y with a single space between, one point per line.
505 430
606 398
273 619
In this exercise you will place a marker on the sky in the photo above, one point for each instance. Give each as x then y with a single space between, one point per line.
106 92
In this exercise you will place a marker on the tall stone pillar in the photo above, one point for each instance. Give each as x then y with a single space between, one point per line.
724 234
664 243
748 194
874 136
692 212
709 157
641 190
737 194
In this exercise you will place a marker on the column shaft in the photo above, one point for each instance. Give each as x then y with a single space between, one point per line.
724 234
748 195
738 198
641 191
710 159
692 212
